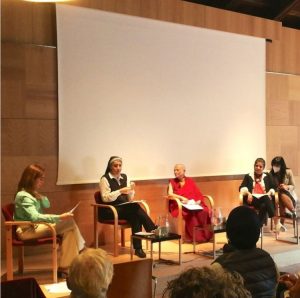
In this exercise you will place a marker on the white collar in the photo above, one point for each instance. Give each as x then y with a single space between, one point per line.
262 176
115 177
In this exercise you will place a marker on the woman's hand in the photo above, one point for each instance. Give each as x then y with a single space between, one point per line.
38 196
283 186
125 190
66 215
184 201
132 185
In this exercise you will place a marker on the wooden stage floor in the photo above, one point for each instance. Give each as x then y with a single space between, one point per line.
286 256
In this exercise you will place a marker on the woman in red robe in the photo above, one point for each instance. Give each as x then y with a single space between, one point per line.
185 189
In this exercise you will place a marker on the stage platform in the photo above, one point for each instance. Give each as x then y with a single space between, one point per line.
285 254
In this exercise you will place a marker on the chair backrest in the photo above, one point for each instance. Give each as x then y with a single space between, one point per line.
8 211
132 279
98 198
26 287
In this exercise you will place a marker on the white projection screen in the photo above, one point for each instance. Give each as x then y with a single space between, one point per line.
156 93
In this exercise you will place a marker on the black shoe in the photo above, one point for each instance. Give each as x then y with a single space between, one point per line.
140 253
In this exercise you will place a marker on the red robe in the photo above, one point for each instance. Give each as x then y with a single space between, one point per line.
192 217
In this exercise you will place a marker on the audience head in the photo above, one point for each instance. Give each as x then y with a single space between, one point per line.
259 165
243 227
32 178
207 282
90 274
114 166
179 171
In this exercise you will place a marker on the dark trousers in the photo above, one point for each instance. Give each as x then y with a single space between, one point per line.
264 206
136 217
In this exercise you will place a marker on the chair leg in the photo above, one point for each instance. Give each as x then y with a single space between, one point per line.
123 237
21 259
180 227
116 240
9 253
54 260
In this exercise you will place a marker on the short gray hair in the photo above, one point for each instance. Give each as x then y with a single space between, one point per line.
90 274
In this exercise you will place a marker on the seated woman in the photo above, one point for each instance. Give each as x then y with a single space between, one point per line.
185 190
115 189
257 189
29 205
284 182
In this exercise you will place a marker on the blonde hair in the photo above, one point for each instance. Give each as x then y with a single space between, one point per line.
90 274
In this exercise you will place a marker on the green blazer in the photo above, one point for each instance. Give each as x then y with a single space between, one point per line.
28 208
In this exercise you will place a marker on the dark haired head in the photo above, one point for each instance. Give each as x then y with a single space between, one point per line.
110 161
260 159
243 227
279 162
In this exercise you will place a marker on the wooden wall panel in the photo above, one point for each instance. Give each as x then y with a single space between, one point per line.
283 54
283 124
28 22
29 98
182 12
41 139
29 81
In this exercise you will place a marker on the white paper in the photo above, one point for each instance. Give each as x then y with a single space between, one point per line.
73 209
144 233
192 207
60 287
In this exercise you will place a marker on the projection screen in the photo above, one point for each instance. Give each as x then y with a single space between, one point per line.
156 93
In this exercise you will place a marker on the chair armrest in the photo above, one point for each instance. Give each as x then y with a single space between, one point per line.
210 201
32 223
241 199
276 197
112 208
179 204
10 224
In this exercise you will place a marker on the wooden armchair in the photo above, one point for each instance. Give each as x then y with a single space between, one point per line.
12 240
115 222
179 221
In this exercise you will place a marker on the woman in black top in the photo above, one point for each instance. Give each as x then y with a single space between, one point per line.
116 188
257 189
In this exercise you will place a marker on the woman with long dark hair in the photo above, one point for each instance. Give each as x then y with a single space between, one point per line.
283 179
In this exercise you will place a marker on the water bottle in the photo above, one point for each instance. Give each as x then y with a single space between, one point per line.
167 226
218 217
